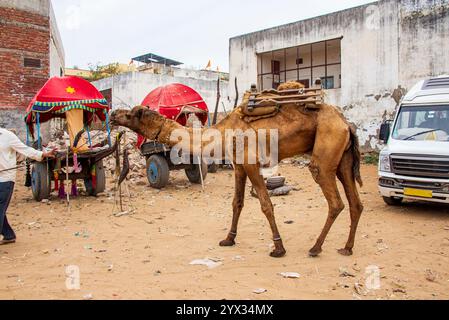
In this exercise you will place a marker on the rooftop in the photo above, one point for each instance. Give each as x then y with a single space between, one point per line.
154 58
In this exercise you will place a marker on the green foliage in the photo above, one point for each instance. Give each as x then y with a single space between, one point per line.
104 71
371 158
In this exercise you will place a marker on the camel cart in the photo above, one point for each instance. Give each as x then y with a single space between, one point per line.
179 103
79 102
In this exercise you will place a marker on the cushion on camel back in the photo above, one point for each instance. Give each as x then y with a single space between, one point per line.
266 106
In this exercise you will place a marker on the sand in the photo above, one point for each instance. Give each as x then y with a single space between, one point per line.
147 255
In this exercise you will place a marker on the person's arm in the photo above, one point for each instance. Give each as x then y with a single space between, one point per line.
28 152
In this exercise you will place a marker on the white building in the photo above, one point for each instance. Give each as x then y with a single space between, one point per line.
367 56
129 89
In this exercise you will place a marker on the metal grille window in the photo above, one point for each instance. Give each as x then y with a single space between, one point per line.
304 64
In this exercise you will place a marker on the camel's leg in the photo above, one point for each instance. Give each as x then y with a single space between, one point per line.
325 161
237 205
346 176
258 182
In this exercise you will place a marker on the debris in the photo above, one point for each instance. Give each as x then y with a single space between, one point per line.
238 258
282 191
290 275
83 234
211 264
344 273
289 222
397 287
381 246
110 267
398 290
122 214
274 183
88 296
430 276
259 291
358 288
356 268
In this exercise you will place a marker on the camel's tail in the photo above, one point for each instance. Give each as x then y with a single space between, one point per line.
355 150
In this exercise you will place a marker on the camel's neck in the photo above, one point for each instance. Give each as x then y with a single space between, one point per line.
193 139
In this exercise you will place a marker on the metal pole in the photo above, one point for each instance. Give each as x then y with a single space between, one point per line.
201 171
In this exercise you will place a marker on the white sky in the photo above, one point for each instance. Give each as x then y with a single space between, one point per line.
192 32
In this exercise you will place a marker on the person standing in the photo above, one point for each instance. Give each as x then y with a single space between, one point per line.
10 145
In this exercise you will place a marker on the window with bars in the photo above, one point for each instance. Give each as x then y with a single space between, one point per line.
305 64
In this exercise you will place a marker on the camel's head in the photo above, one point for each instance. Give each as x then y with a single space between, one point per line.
142 120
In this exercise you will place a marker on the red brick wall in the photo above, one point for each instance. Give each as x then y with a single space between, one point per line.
22 35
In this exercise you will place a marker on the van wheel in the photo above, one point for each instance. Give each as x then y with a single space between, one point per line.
392 201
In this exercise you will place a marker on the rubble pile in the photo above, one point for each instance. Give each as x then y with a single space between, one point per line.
137 162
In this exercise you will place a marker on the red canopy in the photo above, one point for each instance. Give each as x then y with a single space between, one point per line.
59 95
175 101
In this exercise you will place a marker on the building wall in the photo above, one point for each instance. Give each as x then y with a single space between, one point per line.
386 47
27 30
130 89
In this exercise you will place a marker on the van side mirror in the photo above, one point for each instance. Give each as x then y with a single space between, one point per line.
385 130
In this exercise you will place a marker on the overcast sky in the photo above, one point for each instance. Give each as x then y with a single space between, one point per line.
192 32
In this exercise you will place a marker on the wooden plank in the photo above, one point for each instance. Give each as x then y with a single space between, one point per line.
298 96
275 102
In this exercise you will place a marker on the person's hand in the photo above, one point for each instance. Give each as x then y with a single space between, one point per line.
49 154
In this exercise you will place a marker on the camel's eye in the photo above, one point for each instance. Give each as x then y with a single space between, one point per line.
128 117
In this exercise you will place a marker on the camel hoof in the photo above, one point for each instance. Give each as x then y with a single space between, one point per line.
227 243
345 252
278 253
314 253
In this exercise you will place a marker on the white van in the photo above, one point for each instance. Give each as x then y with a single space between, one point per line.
415 162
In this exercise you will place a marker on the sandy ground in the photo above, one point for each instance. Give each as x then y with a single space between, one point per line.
147 255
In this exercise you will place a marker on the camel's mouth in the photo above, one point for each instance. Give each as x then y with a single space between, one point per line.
115 119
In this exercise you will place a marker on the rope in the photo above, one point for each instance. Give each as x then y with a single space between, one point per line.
108 128
38 128
88 135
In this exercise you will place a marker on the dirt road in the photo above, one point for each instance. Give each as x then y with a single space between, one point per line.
147 255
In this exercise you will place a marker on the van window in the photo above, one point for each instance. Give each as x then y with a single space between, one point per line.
422 123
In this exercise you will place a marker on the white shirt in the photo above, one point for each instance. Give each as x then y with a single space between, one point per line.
9 146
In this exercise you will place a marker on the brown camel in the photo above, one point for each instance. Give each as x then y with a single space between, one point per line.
323 133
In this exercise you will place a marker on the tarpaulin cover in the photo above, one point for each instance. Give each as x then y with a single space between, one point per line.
61 94
175 101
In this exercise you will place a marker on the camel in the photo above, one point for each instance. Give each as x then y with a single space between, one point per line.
324 134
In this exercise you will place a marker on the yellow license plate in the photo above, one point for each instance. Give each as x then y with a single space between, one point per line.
418 193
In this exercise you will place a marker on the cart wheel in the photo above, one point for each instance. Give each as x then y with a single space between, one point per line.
193 173
101 181
40 181
213 168
158 171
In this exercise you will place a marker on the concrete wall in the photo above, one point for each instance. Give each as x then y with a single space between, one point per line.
57 54
129 89
386 47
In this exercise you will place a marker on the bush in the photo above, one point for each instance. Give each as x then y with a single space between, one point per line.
371 158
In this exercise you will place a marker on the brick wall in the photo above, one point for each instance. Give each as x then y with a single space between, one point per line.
22 35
